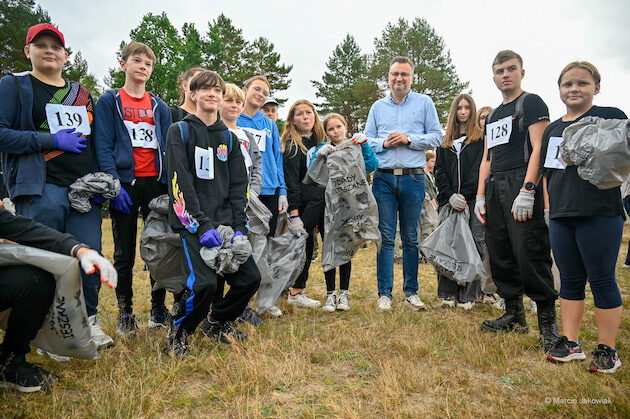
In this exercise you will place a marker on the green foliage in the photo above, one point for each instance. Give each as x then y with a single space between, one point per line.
260 58
346 87
16 16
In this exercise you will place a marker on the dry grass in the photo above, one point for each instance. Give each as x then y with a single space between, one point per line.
355 364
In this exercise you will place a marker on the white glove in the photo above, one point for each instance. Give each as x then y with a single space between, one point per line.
283 204
325 150
523 206
359 138
457 201
297 226
252 193
480 209
547 217
91 260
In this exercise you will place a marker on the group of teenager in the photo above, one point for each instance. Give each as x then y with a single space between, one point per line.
221 147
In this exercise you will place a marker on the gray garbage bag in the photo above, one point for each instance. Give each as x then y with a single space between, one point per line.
227 257
160 248
600 148
284 261
351 215
258 215
65 330
451 248
89 186
428 220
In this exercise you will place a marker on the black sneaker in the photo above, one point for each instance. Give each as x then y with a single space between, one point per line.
249 316
127 325
605 359
177 346
159 319
24 376
222 331
565 350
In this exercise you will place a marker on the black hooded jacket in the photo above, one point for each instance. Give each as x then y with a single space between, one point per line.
458 173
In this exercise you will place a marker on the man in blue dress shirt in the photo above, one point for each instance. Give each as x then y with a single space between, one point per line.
400 127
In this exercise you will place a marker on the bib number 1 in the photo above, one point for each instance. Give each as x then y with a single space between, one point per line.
553 159
499 132
204 163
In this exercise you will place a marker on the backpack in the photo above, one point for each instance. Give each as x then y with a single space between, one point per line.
184 131
519 115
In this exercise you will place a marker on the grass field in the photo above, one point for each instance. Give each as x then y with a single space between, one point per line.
355 364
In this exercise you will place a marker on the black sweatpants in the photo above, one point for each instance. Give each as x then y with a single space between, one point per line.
28 291
202 284
520 258
312 215
124 229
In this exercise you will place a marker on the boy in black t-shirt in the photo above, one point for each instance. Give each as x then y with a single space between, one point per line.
516 235
45 127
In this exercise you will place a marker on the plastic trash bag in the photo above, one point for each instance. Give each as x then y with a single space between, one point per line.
451 248
428 220
600 148
279 264
65 330
351 215
89 186
258 215
227 257
160 248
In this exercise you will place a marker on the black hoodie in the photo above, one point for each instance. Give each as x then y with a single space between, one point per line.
199 204
458 173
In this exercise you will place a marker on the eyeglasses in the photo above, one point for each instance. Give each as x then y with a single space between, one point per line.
397 74
260 90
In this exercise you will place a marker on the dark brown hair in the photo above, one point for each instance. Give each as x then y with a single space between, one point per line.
506 55
401 60
206 78
185 76
134 48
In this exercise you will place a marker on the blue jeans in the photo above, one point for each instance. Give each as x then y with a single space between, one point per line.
398 194
52 209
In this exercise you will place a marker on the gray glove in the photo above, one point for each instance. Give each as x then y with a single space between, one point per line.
457 201
297 226
523 206
91 260
480 209
283 204
547 217
325 150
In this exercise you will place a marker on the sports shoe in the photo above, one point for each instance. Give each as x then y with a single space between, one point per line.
343 301
274 311
25 377
127 325
177 346
448 302
100 338
159 319
488 299
499 304
54 357
605 359
533 306
625 266
415 302
469 305
249 316
384 303
565 350
222 331
331 302
302 300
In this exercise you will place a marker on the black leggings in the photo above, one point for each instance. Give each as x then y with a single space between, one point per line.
344 277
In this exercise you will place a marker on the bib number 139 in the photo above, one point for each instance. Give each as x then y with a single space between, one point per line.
499 132
64 117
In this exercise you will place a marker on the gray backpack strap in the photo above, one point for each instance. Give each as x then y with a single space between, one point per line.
519 115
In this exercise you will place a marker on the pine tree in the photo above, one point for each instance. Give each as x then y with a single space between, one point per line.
261 58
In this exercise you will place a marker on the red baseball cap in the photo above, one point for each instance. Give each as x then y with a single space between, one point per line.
41 28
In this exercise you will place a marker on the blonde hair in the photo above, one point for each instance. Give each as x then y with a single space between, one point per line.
254 78
291 139
135 48
471 128
234 92
332 116
480 111
584 65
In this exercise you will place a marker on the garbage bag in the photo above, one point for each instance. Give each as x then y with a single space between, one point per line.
451 248
258 215
160 248
279 264
600 148
351 215
428 220
227 257
89 186
65 330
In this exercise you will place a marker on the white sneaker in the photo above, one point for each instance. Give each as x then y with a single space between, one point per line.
625 266
274 311
384 303
533 306
448 302
466 306
343 302
302 300
415 302
499 304
331 302
54 357
100 338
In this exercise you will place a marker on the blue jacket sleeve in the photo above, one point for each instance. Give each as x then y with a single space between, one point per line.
12 139
314 156
105 133
275 135
371 162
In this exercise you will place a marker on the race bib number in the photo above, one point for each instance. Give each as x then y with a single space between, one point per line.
142 134
499 132
204 163
553 159
260 136
64 117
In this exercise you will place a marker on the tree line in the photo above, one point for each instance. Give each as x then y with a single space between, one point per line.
352 81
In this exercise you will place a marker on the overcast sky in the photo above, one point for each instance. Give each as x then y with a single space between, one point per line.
548 34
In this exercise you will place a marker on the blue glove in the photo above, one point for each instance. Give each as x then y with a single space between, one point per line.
99 200
122 202
210 239
68 140
238 233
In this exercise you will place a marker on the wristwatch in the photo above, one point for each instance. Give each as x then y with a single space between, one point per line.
408 139
529 186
